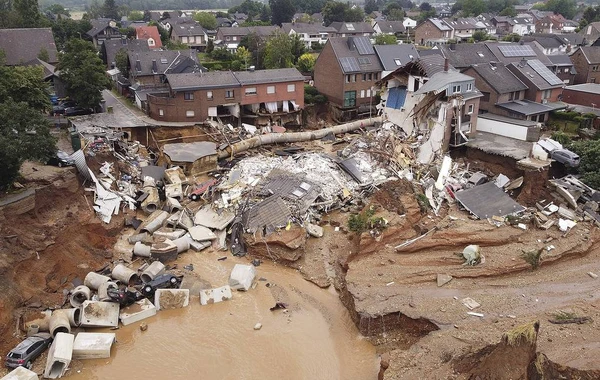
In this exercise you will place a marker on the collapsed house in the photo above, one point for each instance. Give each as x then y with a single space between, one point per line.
428 98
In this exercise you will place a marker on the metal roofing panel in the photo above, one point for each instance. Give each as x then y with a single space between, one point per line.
543 71
488 200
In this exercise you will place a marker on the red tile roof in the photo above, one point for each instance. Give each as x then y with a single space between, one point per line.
149 33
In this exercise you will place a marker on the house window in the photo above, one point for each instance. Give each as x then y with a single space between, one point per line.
184 40
398 62
234 38
209 95
364 77
567 70
189 113
362 93
368 93
470 87
349 98
229 94
470 109
594 68
541 118
376 76
270 89
370 76
161 112
456 89
250 91
347 78
188 95
227 38
353 78
546 94
291 88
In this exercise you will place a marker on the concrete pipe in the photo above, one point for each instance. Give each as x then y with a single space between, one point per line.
80 294
144 236
154 221
172 204
74 316
152 202
103 290
59 322
183 244
32 330
126 275
141 249
93 280
153 270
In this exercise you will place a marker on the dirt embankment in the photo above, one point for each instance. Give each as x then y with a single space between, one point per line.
45 249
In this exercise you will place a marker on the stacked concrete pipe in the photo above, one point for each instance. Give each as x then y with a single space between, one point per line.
126 275
59 322
93 280
80 294
155 269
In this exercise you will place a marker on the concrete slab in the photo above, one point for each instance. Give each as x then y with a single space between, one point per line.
209 296
488 200
171 298
200 233
93 345
100 314
134 313
21 373
241 277
59 355
208 218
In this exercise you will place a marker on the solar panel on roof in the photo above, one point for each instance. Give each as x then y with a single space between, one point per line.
349 64
363 45
517 51
548 75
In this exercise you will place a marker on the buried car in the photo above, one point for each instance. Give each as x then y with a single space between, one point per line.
28 350
565 157
61 159
164 281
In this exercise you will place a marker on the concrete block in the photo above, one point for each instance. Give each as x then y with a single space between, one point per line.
208 296
241 277
134 313
200 233
59 355
21 373
100 314
171 298
93 345
314 230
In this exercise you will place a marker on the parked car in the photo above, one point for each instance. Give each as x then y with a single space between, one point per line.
61 159
28 350
61 107
164 281
77 111
201 189
566 157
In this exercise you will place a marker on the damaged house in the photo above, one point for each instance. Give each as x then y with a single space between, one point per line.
260 97
429 98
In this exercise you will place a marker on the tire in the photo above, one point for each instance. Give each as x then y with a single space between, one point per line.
147 289
173 280
194 197
60 164
28 365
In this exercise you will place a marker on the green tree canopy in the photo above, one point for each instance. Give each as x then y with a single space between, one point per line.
309 6
28 13
24 135
65 29
567 8
249 7
371 6
207 20
386 39
589 167
83 73
58 9
110 10
425 7
279 52
135 16
306 63
337 11
122 62
25 84
508 11
281 11
256 45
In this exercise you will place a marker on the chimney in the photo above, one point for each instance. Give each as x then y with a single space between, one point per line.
446 65
523 62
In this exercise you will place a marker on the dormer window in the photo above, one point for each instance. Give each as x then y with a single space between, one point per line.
456 89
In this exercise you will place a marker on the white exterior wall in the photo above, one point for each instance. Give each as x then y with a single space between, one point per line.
501 128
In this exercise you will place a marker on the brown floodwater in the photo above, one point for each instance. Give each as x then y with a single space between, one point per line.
315 339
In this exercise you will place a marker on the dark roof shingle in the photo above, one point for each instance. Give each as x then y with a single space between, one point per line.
23 45
499 77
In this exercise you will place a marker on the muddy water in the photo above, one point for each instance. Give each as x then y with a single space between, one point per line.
315 339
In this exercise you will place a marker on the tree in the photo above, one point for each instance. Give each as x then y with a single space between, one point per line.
306 63
244 56
58 9
396 15
83 73
43 55
28 13
334 11
65 29
279 52
425 7
210 46
370 6
265 13
207 20
508 11
122 62
249 7
147 16
281 11
110 10
480 35
24 135
355 14
386 39
473 7
513 37
135 16
309 6
567 8
24 84
256 45
589 167
424 15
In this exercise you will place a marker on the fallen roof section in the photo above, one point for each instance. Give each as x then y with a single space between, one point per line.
189 152
487 200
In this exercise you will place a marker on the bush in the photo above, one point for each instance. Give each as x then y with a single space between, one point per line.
533 258
561 137
565 115
360 222
313 96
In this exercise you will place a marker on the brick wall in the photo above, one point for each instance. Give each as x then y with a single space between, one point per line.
329 79
427 31
281 93
581 98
